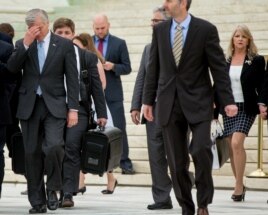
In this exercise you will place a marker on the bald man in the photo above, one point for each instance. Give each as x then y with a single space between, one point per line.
115 52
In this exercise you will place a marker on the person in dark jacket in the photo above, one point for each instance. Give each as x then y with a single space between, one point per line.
246 70
5 113
117 63
86 60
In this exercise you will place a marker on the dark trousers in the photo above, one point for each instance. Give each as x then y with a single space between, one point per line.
175 137
2 158
161 182
43 143
14 127
72 158
10 131
119 120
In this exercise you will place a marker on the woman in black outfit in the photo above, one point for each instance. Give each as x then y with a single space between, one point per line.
246 69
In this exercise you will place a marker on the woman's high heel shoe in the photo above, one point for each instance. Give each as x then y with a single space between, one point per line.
110 191
82 190
239 198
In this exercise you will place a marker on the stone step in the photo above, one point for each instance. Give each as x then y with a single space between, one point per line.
139 157
144 179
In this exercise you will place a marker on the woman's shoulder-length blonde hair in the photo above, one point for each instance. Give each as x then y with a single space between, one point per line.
252 50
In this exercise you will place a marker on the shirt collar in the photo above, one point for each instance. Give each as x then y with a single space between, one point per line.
47 38
104 39
184 24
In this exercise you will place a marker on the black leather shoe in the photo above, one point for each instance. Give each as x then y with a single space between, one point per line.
52 200
128 171
82 190
67 200
38 209
159 206
110 191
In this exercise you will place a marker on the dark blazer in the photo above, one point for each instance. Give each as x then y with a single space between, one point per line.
117 53
190 79
88 61
5 113
60 61
251 79
263 96
136 102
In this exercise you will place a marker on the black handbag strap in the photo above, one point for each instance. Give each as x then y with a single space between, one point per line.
85 78
86 89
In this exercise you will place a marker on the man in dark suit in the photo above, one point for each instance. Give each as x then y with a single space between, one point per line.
161 182
115 52
5 113
178 72
45 59
65 27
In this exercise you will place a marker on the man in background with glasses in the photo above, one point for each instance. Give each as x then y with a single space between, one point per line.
161 182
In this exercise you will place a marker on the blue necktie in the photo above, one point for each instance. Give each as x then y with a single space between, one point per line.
41 54
41 61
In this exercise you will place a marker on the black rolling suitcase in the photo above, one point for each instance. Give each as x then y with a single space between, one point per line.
18 154
101 150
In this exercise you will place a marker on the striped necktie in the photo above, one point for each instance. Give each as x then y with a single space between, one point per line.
177 45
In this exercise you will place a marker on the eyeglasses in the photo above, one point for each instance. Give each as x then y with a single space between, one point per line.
157 20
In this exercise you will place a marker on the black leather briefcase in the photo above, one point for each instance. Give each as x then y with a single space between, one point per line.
101 150
18 154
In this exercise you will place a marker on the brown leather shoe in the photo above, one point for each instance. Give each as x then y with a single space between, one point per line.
202 211
67 200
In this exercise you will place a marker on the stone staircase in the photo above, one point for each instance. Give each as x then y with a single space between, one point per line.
130 20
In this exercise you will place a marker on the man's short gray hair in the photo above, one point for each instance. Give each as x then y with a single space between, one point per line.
32 14
161 10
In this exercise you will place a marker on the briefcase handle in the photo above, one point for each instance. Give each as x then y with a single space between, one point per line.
101 128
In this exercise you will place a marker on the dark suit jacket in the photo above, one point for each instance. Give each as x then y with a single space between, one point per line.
191 79
60 61
251 79
88 61
136 102
263 95
5 111
117 53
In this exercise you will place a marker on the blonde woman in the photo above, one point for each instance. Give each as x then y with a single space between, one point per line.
246 70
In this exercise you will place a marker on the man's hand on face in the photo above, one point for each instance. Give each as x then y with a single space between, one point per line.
31 35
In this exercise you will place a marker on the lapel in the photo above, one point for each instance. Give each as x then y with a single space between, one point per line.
192 32
245 66
33 54
166 40
51 50
109 47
